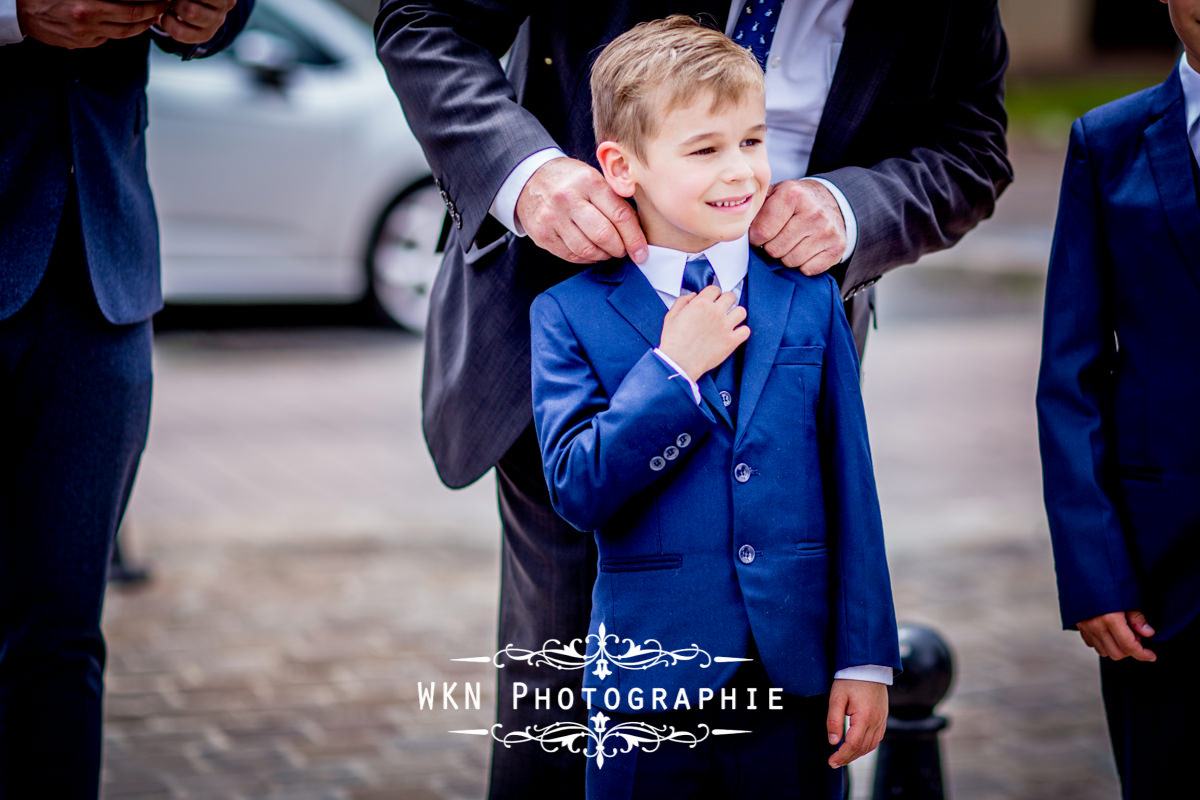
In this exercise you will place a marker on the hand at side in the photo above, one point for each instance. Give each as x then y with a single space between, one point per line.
865 705
1118 635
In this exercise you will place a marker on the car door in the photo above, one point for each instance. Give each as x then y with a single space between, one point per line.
245 152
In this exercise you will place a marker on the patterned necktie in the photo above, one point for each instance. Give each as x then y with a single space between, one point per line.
756 27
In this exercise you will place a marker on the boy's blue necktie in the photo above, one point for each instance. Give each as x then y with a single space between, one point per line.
698 272
755 27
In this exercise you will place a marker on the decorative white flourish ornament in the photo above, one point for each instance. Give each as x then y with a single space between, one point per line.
649 653
602 741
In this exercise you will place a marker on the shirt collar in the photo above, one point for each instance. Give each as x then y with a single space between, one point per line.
664 267
1191 102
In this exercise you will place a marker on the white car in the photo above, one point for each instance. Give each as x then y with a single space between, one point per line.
283 170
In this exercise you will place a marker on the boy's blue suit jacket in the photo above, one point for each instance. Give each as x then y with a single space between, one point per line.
677 496
1119 387
82 114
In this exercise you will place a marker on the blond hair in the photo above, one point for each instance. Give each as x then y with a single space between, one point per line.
658 66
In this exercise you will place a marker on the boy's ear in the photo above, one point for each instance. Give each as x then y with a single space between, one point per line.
617 168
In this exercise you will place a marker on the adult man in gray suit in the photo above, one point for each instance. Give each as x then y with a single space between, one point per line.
900 114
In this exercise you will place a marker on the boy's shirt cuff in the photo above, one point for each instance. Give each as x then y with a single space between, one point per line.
847 216
10 30
504 205
871 672
680 373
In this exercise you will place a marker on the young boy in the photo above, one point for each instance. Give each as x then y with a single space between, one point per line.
1117 413
729 488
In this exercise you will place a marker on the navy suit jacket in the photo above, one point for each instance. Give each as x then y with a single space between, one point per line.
1120 376
677 495
912 133
83 111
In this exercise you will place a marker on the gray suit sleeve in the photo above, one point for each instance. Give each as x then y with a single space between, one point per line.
442 59
927 198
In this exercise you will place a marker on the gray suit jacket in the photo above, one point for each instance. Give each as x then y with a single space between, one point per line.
912 133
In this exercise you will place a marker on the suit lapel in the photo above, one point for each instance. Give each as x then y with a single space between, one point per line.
636 301
767 314
872 40
1171 163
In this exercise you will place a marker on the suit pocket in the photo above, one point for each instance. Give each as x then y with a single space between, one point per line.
800 354
478 254
657 561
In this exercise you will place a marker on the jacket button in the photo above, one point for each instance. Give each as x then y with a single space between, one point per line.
671 453
741 473
746 554
683 440
658 463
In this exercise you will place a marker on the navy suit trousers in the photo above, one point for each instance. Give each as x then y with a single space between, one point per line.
783 755
1152 708
547 569
74 414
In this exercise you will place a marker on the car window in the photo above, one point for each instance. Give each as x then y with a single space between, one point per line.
308 51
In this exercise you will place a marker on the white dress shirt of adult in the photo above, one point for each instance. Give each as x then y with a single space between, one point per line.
10 31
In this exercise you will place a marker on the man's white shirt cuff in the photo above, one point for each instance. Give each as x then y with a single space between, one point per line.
871 672
847 215
504 206
666 359
10 30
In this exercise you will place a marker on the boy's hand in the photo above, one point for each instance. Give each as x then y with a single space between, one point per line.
701 330
1118 635
866 705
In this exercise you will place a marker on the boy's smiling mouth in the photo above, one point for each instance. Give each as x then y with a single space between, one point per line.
733 203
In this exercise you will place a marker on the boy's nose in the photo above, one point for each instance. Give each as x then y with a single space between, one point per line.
737 168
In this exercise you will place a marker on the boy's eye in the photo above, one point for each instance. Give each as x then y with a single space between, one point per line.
751 142
703 151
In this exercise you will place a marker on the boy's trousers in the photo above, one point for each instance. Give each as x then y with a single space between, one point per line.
783 755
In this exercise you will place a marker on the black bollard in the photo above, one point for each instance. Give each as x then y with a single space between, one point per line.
909 762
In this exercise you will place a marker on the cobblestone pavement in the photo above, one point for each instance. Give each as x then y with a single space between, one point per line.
310 570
